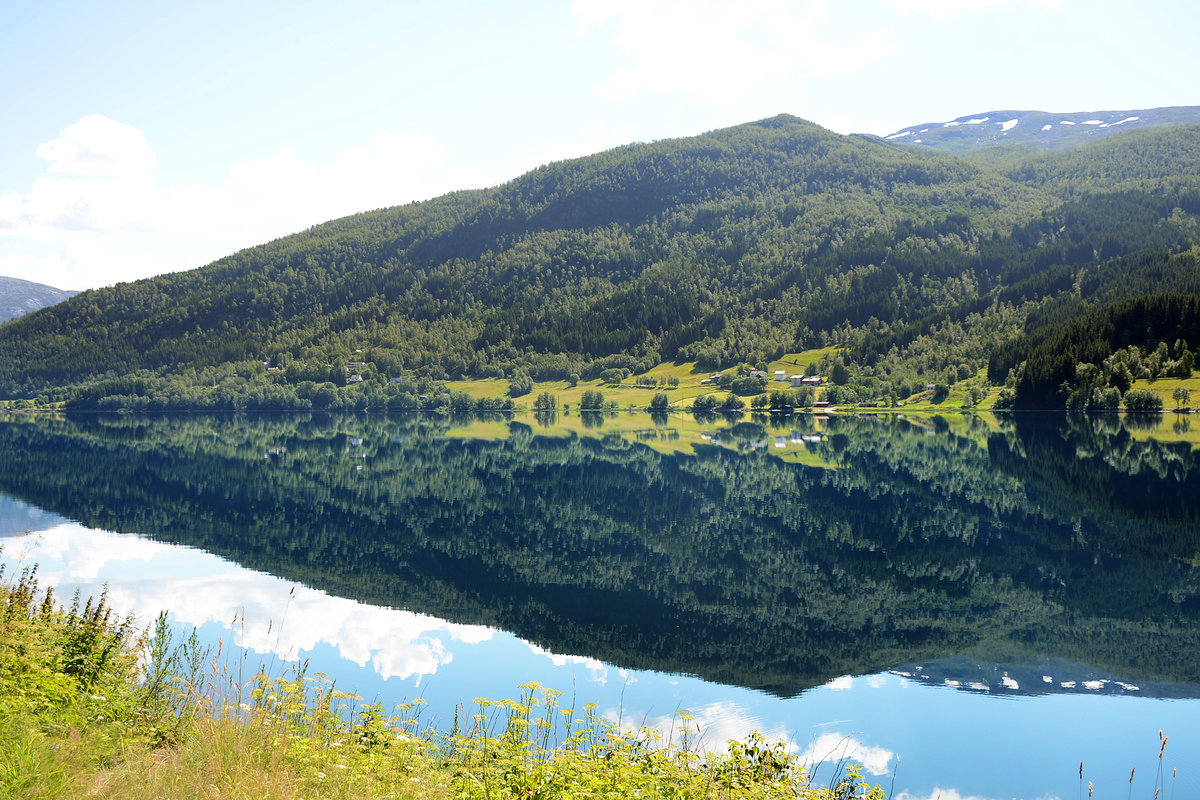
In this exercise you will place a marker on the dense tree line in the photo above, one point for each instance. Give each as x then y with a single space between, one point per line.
1091 361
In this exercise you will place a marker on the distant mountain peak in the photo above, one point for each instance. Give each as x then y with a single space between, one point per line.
18 297
1039 130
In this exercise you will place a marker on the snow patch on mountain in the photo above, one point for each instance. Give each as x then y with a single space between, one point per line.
1041 130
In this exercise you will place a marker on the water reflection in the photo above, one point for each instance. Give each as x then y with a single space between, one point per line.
421 555
266 615
769 553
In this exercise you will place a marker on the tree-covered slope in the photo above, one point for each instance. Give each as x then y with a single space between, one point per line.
1076 360
578 258
736 245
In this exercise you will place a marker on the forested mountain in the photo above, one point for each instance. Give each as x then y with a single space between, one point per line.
19 297
734 246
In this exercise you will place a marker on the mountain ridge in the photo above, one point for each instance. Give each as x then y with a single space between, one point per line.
18 297
1039 130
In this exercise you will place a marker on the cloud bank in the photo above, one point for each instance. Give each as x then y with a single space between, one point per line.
98 216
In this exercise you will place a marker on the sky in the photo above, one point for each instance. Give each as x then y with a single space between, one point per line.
140 138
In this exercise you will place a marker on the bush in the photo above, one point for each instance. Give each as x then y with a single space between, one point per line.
732 403
660 402
747 386
613 376
520 384
1107 399
1143 400
591 400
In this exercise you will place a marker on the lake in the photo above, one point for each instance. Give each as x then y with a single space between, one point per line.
969 607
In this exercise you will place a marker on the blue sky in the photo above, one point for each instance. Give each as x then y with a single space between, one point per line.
146 137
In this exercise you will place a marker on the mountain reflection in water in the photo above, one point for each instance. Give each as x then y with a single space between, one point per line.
880 545
775 555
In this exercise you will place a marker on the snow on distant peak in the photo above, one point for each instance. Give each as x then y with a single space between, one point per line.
1005 127
899 135
1093 122
1066 122
954 123
1047 127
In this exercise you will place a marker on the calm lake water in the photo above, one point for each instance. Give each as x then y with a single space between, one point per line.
967 607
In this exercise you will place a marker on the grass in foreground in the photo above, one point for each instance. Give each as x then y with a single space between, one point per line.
80 718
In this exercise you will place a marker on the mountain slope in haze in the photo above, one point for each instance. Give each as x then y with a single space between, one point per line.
1038 130
733 246
19 297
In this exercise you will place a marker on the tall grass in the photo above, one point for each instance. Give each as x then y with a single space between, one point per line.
90 708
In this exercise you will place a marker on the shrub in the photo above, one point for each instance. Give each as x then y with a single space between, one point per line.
747 386
520 384
732 403
1143 400
591 400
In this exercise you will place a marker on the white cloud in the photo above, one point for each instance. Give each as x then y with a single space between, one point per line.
97 215
273 616
97 146
940 794
837 747
597 670
710 728
718 52
943 9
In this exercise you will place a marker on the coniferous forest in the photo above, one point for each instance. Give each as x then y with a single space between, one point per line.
730 247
